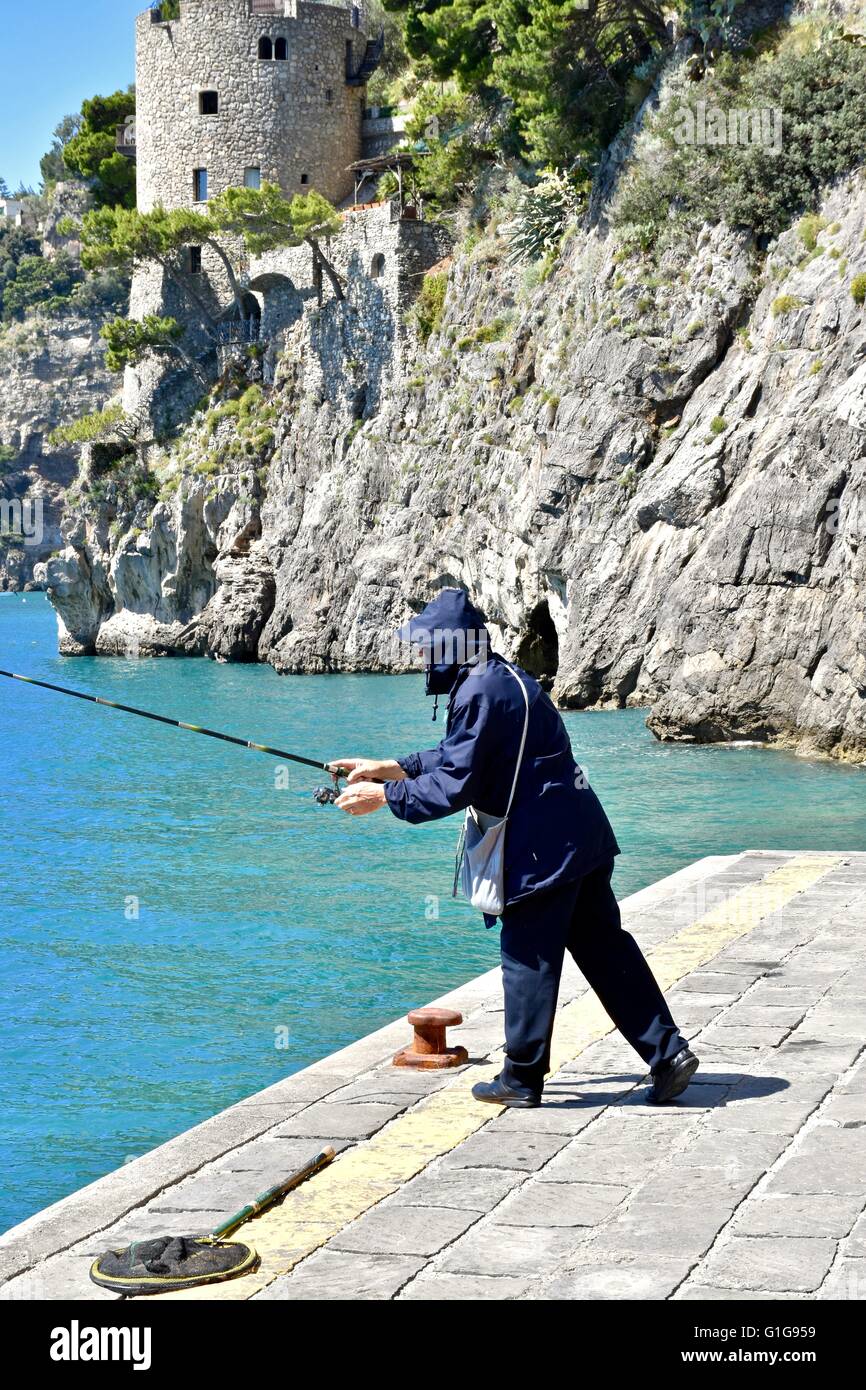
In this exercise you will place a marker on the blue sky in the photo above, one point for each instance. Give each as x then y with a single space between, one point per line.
54 54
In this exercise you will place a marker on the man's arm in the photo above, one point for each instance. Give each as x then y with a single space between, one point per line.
451 783
423 761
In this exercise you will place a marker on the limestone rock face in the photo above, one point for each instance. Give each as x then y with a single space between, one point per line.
51 371
651 479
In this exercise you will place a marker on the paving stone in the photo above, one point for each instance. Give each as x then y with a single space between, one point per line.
856 1244
274 1158
846 1280
678 1185
798 1054
488 1149
855 1084
338 1121
828 1160
651 1279
715 1149
560 1204
701 1293
770 1118
753 1014
765 1086
685 1231
724 983
516 1250
618 1158
724 1034
793 1264
846 1110
696 1101
464 1288
391 1085
800 1216
465 1189
393 1229
62 1277
776 995
553 1117
328 1275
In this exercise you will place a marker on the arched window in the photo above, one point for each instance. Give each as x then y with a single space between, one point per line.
266 48
281 50
377 266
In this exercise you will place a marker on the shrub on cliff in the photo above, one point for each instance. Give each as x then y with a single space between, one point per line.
427 309
808 112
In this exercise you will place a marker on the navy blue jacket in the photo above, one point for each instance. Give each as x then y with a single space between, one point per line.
557 829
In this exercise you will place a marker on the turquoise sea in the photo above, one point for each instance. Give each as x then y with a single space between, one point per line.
178 930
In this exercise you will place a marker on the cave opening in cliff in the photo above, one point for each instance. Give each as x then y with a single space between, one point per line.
538 648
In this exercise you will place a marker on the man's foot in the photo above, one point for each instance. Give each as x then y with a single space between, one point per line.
671 1078
498 1093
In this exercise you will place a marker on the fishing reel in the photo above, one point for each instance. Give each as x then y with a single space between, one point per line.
326 796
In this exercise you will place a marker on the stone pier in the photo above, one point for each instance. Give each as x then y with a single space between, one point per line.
751 1186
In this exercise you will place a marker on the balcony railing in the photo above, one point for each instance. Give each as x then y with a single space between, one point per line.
278 7
125 138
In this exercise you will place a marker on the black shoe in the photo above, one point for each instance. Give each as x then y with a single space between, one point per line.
498 1093
671 1078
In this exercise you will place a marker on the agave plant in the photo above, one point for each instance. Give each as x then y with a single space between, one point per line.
543 213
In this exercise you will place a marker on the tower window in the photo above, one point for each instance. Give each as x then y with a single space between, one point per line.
305 178
208 103
194 260
329 94
252 178
281 50
266 48
377 267
199 185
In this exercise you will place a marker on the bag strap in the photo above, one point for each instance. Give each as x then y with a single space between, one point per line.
523 738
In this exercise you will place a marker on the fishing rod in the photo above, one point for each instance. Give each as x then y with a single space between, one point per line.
323 795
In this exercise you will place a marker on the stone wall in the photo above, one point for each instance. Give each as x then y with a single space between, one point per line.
290 119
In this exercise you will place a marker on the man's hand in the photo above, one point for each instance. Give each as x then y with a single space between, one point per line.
368 769
361 798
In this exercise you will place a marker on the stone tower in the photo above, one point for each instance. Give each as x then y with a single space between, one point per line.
242 91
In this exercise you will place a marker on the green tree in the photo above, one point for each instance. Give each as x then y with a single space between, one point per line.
52 165
115 238
566 72
266 221
91 151
15 244
40 283
129 340
118 238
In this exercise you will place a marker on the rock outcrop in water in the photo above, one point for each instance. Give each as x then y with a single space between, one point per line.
650 477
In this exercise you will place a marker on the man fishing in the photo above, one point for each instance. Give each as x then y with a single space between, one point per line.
558 857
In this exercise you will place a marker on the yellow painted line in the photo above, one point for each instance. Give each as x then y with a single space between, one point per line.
363 1175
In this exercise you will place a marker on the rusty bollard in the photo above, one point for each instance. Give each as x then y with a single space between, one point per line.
428 1047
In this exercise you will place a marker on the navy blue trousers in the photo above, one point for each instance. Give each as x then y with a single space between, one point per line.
582 917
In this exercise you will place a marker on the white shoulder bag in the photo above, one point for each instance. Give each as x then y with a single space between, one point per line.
481 856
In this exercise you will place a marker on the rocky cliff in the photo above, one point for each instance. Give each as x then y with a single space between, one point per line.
51 371
649 471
